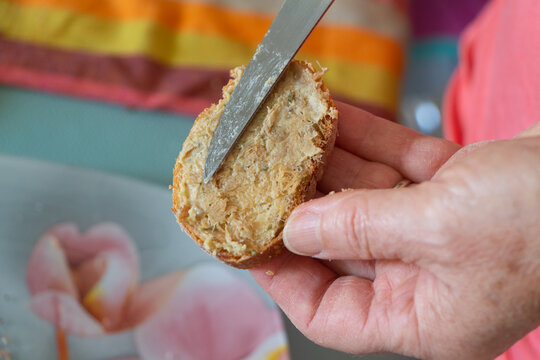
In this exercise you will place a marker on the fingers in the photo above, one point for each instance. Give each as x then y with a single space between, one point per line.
318 194
348 171
325 307
309 293
281 276
365 225
360 268
464 151
416 156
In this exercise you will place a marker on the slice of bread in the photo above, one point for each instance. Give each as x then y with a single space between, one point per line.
239 216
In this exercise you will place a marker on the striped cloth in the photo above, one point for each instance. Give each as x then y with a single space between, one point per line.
175 55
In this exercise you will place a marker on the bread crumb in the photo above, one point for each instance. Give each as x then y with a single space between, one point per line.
331 192
323 69
270 273
348 189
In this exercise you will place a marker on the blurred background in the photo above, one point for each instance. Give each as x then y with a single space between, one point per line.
115 85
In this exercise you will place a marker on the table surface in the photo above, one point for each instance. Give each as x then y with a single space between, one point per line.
132 143
91 134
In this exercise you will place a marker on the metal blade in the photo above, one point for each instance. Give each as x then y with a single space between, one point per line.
288 31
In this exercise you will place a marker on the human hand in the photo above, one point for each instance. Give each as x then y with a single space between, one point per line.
444 269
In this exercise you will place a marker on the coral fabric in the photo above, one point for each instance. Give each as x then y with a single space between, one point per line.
495 92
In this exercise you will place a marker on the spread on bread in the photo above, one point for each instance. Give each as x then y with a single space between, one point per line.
239 216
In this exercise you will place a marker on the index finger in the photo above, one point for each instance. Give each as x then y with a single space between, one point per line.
336 312
416 156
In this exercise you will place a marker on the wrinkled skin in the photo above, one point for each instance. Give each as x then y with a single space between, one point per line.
446 268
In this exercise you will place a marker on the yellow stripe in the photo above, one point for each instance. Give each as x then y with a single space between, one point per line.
87 33
348 43
360 82
56 28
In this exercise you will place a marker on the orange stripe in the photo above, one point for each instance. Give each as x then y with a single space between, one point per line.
354 45
340 42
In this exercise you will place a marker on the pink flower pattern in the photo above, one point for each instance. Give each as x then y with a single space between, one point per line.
86 284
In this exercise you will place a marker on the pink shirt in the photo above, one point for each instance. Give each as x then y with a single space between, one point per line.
495 92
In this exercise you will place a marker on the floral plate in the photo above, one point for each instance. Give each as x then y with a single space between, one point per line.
94 266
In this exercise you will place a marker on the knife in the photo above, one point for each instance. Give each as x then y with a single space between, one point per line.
288 31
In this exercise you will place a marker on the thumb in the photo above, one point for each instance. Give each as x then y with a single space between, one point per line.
367 224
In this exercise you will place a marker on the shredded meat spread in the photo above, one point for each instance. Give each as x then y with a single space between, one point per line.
247 202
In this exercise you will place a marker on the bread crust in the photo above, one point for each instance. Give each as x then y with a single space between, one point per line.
307 192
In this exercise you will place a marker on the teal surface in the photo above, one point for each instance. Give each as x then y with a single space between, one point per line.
434 47
91 134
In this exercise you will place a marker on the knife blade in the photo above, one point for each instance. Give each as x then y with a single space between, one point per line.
288 31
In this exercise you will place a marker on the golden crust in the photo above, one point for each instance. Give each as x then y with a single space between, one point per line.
304 193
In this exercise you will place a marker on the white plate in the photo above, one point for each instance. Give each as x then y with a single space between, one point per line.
35 195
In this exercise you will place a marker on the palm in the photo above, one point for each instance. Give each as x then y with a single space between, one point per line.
325 300
398 302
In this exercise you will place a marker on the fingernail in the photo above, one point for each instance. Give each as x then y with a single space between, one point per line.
301 234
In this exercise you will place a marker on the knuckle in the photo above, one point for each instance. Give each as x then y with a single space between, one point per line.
354 223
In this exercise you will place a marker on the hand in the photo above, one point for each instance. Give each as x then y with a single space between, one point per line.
444 269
